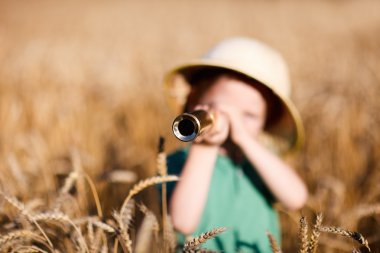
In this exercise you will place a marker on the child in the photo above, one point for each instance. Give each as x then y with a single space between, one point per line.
229 176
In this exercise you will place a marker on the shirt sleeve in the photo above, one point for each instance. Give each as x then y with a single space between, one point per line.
258 183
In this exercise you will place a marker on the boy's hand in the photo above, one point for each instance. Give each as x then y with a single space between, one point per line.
230 121
238 126
218 133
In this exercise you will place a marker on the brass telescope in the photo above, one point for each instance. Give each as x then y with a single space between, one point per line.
188 126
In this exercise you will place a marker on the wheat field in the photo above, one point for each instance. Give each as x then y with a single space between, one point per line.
82 109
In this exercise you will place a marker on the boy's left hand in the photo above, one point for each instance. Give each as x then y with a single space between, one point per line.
242 128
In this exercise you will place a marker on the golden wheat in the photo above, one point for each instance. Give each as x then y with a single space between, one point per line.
28 249
196 242
313 243
303 235
170 238
149 226
82 98
146 183
273 243
104 226
353 235
21 208
23 234
123 233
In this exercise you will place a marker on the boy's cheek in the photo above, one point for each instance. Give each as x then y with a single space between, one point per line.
254 128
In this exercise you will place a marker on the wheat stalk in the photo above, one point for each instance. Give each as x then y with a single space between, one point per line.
144 236
150 214
163 171
146 183
97 242
367 210
161 158
170 238
104 248
94 194
17 172
195 243
80 185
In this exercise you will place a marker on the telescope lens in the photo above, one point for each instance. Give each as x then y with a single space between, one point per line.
186 127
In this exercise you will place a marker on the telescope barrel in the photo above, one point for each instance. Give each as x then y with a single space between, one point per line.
188 126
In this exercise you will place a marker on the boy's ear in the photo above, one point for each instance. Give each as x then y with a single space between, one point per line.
179 91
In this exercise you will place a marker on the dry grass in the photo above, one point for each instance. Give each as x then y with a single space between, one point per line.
82 107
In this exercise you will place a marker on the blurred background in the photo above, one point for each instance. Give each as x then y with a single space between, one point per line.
84 79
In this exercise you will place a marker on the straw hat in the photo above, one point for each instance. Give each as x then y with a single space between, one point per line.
252 59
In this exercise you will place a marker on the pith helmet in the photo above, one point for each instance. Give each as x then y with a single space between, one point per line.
254 60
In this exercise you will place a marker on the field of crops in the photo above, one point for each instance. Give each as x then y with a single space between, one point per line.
82 109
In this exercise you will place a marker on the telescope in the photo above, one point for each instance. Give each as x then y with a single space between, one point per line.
188 126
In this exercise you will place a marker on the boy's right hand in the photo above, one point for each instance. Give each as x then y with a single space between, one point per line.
219 131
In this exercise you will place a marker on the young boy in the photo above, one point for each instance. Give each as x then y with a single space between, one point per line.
229 176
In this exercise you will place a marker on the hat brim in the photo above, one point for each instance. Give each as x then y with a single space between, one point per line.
289 128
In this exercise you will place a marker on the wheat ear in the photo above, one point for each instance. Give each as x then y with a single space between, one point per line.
62 218
303 235
21 207
123 219
104 226
69 182
273 243
315 233
343 232
8 238
152 217
197 241
198 251
127 213
28 249
123 235
144 236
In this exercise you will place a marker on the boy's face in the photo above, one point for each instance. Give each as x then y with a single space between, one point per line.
242 99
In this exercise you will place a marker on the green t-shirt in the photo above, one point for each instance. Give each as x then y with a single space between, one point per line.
238 200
